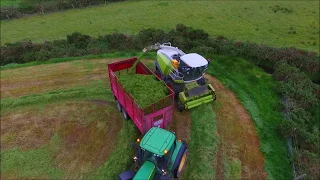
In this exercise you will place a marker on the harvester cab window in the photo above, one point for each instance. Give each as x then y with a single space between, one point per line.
191 73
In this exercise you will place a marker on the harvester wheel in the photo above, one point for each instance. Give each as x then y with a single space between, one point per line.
125 114
201 81
180 106
118 105
180 161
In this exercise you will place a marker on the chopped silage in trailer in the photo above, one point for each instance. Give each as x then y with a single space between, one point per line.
144 89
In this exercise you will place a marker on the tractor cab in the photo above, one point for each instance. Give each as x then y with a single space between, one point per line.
159 155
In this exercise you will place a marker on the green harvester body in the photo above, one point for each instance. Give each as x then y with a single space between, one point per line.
191 90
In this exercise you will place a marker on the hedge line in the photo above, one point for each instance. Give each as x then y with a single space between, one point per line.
184 37
28 7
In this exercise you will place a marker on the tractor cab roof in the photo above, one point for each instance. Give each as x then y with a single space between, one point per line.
157 140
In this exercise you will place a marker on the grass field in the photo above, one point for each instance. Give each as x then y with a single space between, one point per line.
277 23
10 2
48 131
252 85
50 112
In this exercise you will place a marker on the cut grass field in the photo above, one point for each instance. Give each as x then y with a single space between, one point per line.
48 133
256 91
276 23
52 121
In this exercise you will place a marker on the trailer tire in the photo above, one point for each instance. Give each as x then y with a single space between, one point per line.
118 105
181 160
125 114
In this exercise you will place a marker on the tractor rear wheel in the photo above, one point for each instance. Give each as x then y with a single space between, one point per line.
125 114
181 160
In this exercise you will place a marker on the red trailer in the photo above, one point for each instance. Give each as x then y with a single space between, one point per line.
158 114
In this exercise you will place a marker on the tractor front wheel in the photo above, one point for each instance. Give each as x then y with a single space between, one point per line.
181 160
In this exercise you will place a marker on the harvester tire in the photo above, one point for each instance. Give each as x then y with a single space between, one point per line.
118 105
125 114
202 81
180 106
181 160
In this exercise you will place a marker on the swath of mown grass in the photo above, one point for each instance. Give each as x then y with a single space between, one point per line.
97 90
255 89
121 158
203 144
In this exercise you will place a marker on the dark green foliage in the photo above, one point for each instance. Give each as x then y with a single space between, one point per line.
144 89
300 99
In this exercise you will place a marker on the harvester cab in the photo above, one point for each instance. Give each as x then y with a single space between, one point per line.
184 74
159 155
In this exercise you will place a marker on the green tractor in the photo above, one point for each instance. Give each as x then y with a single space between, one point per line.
184 74
159 155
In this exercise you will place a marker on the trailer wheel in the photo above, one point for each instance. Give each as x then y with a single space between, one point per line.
181 160
118 105
125 114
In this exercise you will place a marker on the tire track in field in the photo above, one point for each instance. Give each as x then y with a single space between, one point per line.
237 134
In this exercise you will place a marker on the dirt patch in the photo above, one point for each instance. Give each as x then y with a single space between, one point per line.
219 162
26 129
237 132
87 147
34 127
